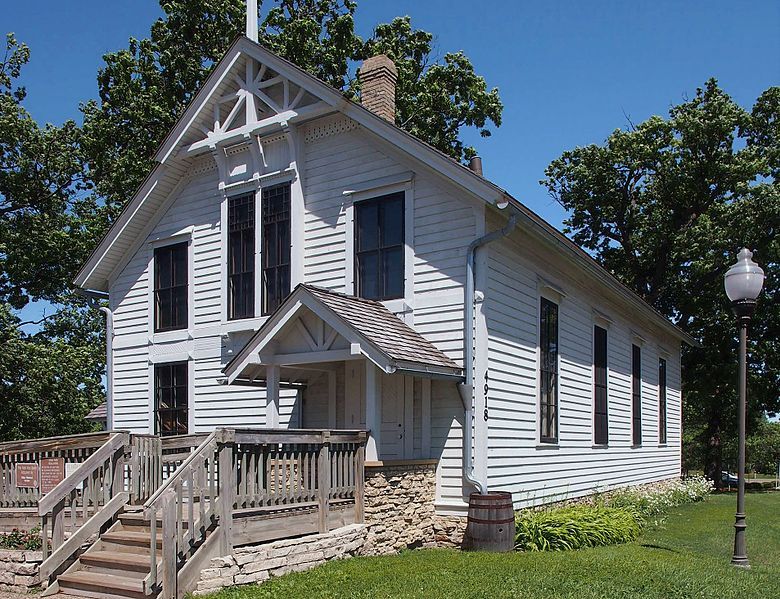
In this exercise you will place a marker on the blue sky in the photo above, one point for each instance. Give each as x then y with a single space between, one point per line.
568 72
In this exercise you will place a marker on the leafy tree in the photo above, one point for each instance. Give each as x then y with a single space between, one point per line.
51 379
41 194
665 205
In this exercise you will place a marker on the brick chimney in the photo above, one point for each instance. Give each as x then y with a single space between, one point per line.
377 86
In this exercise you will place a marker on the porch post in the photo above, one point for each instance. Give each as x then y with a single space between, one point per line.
373 412
272 396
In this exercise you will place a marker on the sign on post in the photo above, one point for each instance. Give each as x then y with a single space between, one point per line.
52 473
27 476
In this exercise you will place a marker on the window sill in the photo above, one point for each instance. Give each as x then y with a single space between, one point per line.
170 336
241 325
600 446
637 446
549 445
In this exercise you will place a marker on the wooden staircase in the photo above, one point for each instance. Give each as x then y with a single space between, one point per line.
117 564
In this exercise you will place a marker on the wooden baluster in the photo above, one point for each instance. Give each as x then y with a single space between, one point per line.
227 491
191 511
323 469
153 546
169 547
202 495
45 535
58 525
359 480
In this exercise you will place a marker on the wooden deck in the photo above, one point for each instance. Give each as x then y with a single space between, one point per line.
177 502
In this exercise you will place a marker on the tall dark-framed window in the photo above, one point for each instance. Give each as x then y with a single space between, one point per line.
600 393
636 394
379 247
170 287
661 400
171 402
548 371
275 211
241 256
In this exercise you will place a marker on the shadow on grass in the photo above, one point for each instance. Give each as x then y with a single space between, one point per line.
661 547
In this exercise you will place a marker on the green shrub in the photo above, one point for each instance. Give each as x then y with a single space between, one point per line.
574 528
20 539
651 503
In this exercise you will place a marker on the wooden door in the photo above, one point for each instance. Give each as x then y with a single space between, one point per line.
393 429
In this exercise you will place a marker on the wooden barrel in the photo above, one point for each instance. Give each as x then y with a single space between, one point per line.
491 522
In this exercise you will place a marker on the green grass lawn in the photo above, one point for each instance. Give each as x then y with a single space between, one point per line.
688 556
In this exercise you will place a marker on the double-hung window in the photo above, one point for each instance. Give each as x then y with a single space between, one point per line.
276 236
170 287
171 405
600 395
241 256
636 394
379 247
661 400
548 372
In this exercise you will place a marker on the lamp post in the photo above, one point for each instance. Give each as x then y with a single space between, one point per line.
743 283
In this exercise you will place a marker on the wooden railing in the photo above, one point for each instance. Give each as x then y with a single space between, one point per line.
264 472
83 502
186 505
72 449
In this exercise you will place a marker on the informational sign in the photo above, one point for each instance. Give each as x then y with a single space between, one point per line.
52 473
27 476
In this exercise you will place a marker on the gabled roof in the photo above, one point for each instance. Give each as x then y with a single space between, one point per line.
154 191
98 414
368 325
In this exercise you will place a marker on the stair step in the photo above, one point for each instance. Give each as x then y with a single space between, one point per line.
98 584
116 560
137 519
128 537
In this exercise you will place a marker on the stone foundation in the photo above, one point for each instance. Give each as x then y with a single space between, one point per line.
449 530
19 570
258 563
399 511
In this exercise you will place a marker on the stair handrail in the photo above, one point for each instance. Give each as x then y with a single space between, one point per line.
169 500
156 497
106 494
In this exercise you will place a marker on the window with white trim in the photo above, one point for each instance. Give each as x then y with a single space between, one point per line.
379 247
548 371
171 402
661 400
241 256
600 390
170 287
636 394
276 245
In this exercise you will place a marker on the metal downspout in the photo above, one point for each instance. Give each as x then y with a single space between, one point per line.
466 388
93 297
109 367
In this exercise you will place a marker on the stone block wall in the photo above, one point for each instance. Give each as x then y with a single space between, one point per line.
19 570
258 563
399 506
449 530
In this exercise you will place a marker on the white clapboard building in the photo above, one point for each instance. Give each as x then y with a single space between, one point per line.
296 260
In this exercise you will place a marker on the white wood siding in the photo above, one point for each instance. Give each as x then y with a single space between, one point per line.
537 472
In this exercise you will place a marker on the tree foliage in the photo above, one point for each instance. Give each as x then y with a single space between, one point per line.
665 205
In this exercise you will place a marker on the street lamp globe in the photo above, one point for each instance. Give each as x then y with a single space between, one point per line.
744 279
